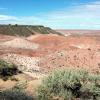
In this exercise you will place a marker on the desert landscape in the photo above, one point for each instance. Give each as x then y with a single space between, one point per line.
37 55
50 50
47 52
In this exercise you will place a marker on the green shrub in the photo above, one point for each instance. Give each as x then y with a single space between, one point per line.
15 94
7 69
70 85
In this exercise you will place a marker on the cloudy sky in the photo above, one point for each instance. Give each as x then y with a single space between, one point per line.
57 14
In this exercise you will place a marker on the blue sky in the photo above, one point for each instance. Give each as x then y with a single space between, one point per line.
57 14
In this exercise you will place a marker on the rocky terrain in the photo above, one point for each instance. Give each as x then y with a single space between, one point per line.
38 55
45 53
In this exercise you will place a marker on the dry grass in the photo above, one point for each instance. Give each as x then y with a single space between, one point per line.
30 82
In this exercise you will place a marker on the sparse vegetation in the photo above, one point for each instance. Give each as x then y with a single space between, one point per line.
7 70
15 94
70 85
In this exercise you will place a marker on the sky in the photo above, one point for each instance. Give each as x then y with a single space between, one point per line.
57 14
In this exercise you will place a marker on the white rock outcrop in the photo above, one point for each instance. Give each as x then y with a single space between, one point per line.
24 63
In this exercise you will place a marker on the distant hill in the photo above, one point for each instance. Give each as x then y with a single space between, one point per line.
79 32
25 30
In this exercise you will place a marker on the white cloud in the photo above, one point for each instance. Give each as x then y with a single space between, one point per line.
80 15
7 17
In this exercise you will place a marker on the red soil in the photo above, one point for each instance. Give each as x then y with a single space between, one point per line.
63 52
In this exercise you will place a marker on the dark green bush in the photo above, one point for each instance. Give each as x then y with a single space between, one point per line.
70 85
7 69
15 94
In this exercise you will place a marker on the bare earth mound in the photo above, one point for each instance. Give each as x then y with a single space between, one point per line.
19 43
